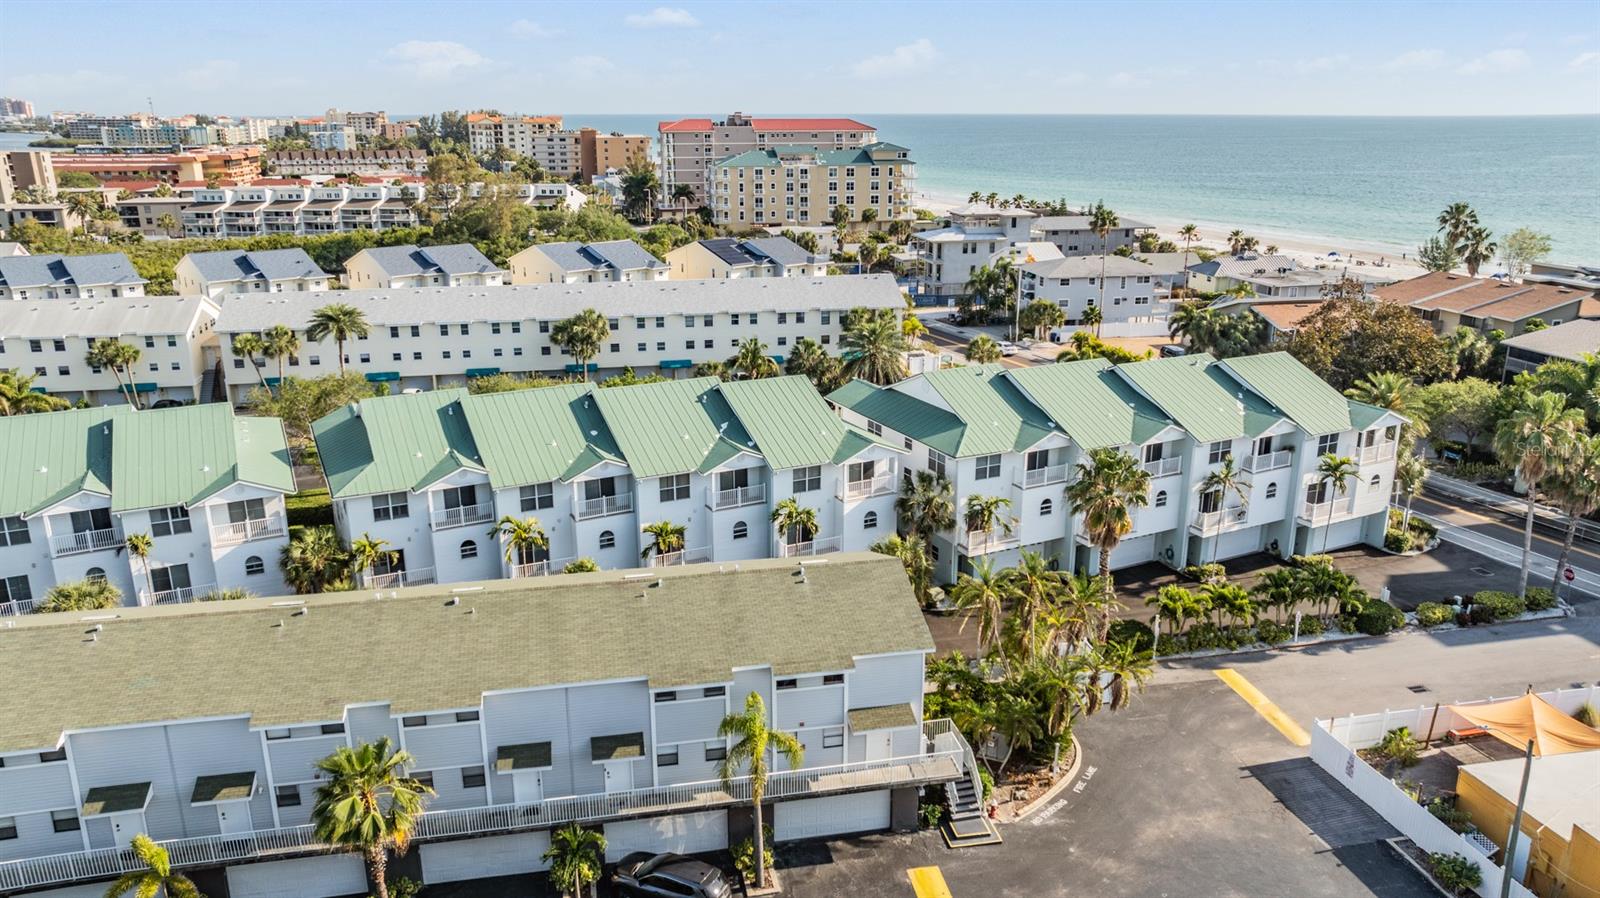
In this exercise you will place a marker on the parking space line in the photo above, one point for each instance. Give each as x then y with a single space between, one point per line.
928 882
1263 706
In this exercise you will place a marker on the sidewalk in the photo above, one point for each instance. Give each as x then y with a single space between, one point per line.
1512 505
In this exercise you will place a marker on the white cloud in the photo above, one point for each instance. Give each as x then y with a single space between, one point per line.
435 59
1071 78
1572 40
1127 79
1589 60
662 17
1322 63
210 72
530 28
904 58
1414 60
589 66
1496 62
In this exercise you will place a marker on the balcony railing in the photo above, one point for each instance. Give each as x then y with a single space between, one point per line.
17 607
1380 452
1164 467
754 494
600 506
1043 476
232 534
682 556
422 576
944 757
63 544
461 516
809 547
1219 520
878 485
1270 461
531 569
996 539
176 596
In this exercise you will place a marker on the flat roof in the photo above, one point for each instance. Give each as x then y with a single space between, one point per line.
1563 790
673 627
1569 340
138 316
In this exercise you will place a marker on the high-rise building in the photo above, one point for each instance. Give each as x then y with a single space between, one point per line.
689 146
599 152
21 108
803 185
23 169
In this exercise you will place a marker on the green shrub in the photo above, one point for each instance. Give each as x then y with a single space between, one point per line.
1206 573
987 780
1450 815
930 814
1312 626
309 508
580 566
1492 605
1397 540
1540 598
1433 614
1312 561
1378 617
1273 633
1132 631
404 887
744 855
1425 528
80 595
1455 872
1397 745
1166 644
1587 715
228 594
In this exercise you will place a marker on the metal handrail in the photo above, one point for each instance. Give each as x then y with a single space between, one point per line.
753 494
461 516
1043 476
809 547
64 544
1163 467
237 532
601 506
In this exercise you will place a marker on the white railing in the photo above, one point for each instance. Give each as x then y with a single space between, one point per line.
1270 461
176 596
445 518
17 607
682 556
1383 451
946 756
600 506
422 576
877 485
531 569
84 541
1221 519
980 542
1043 476
809 547
232 534
1164 467
753 494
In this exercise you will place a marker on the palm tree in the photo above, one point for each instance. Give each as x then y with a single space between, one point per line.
683 193
913 555
752 361
755 744
120 358
795 522
1172 603
1128 669
992 198
975 197
167 223
1476 248
340 321
157 877
314 561
1186 321
523 539
1190 234
983 513
1226 479
1092 316
874 346
1455 221
1530 439
984 290
1017 720
982 593
1580 381
1336 471
279 342
869 215
1283 589
1035 589
369 804
249 346
17 396
82 595
366 551
139 546
1575 487
1236 240
1410 476
83 205
666 538
581 336
1039 316
926 505
982 349
577 856
1105 491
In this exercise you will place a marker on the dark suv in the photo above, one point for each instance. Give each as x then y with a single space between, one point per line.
669 876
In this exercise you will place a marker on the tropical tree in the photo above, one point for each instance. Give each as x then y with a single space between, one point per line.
751 360
1522 248
1039 316
1334 471
640 186
1187 320
18 397
754 744
119 358
983 513
796 522
682 194
1578 381
1532 439
992 198
1574 486
278 342
1092 317
982 594
1227 478
984 294
1035 590
982 349
874 346
342 322
523 538
1438 255
1236 240
913 555
81 595
248 346
1102 221
1121 672
83 205
140 545
368 803
840 216
1410 476
1105 491
1190 234
975 197
314 561
581 336
577 856
156 879
869 215
1455 221
168 223
1476 248
665 538
1283 589
926 505
366 551
1174 604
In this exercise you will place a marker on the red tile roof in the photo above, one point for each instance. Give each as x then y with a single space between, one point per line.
686 124
809 124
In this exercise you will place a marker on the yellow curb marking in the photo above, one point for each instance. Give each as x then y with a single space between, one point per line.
928 882
1263 706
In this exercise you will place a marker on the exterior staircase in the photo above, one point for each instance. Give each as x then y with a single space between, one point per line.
212 386
968 825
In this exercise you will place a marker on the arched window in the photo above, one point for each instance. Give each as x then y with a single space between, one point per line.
95 575
608 540
1161 499
254 565
1376 480
1046 507
469 549
740 530
1272 491
869 521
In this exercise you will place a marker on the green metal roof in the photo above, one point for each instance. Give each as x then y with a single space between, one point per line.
47 457
224 787
1088 401
770 157
997 416
116 799
393 443
526 756
537 435
1305 398
1182 390
790 423
905 414
673 427
1363 416
180 456
512 634
616 748
1259 414
882 717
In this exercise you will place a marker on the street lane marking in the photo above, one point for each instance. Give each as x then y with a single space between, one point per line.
928 882
1263 706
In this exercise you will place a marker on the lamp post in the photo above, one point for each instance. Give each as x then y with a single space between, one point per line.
1516 824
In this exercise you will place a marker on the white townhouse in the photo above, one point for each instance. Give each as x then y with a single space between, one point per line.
424 338
757 257
1074 234
1271 278
299 209
585 263
393 267
592 698
100 276
1132 306
431 473
218 275
975 235
51 340
206 486
1018 434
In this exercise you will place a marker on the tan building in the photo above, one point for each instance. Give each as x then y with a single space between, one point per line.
240 165
690 146
585 263
599 152
24 170
801 185
1452 300
298 163
729 257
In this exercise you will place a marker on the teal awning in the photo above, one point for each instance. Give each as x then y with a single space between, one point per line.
38 390
380 376
272 381
482 372
145 388
778 359
574 367
676 363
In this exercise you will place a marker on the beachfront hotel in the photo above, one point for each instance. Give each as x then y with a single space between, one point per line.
689 147
801 185
977 235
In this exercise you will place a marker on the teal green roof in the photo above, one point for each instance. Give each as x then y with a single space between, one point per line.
1088 401
1305 398
790 424
997 417
47 457
848 156
393 443
1363 415
673 427
1182 390
905 414
533 436
1259 414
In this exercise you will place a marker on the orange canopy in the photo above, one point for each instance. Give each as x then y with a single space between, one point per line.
1531 717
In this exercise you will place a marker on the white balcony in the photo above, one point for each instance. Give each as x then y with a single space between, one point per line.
17 607
754 494
1271 461
64 544
237 532
531 569
1208 522
422 576
1043 476
1164 467
461 516
879 485
1382 451
176 596
682 556
982 542
601 506
809 547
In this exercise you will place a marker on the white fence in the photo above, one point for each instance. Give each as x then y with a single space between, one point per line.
1366 730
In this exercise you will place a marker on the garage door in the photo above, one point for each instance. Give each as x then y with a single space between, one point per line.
683 834
493 856
312 877
813 817
98 890
1340 535
1238 542
1133 551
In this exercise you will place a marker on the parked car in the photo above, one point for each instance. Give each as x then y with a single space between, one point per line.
1009 348
1173 349
661 875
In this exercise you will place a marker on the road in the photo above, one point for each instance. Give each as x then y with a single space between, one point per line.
1023 359
1482 528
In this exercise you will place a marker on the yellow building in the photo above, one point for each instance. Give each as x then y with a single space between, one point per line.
1560 821
598 152
801 185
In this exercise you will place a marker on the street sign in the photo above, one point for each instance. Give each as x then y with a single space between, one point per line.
1569 574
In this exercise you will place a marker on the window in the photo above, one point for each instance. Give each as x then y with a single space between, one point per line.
425 777
537 496
50 757
469 549
167 521
988 467
716 752
667 758
275 735
415 720
788 684
1161 499
472 777
8 828
608 540
869 521
1375 481
288 796
808 479
466 716
332 729
14 531
95 575
938 462
875 428
1272 491
933 551
1046 507
741 530
1327 444
714 692
389 506
833 679
1216 452
668 696
65 821
675 488
833 738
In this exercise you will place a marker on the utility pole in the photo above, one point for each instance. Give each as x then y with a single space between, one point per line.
1516 825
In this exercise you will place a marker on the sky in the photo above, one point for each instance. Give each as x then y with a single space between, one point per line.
240 57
